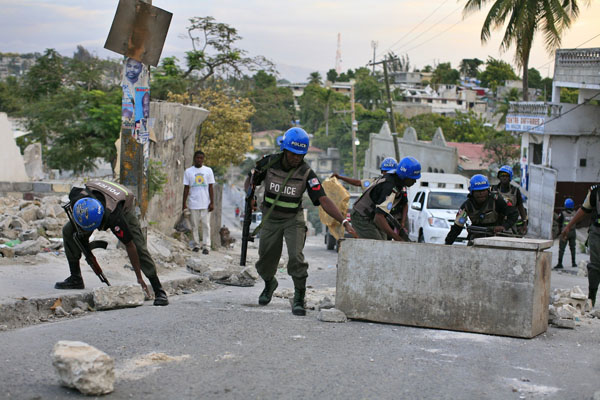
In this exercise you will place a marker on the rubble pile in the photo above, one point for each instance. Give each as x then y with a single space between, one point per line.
315 299
569 307
28 227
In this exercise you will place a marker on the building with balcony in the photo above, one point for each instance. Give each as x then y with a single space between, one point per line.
564 137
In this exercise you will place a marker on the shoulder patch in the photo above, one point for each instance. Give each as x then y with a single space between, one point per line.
367 184
389 205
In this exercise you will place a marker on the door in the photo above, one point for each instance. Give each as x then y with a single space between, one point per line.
540 204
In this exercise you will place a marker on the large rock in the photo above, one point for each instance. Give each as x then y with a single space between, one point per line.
31 247
110 297
332 315
29 213
83 367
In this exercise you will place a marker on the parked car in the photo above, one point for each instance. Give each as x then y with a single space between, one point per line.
330 241
432 212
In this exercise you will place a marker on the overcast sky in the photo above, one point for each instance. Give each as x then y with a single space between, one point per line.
299 36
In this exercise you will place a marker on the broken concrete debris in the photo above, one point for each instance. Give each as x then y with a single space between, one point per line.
110 297
332 315
83 367
569 306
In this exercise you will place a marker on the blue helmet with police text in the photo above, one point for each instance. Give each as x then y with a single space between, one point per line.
389 165
505 168
295 140
280 142
88 213
409 168
569 204
478 182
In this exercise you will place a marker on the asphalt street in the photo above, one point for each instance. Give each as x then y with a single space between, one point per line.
221 345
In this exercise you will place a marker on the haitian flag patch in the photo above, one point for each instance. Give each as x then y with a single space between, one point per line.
314 184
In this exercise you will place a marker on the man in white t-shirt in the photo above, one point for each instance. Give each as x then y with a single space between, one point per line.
198 183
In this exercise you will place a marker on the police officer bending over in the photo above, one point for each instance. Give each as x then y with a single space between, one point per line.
368 213
286 177
106 205
484 209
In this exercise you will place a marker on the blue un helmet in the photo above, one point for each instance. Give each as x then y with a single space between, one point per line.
569 203
478 182
389 165
88 213
295 140
280 142
409 168
506 168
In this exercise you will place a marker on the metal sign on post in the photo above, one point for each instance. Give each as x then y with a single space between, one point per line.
139 31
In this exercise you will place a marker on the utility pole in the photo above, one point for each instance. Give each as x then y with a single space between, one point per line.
390 109
135 145
374 44
354 128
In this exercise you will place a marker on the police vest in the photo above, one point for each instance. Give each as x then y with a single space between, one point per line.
484 216
567 216
597 188
365 206
114 194
510 197
290 200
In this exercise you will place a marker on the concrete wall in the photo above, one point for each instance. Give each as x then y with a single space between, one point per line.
577 68
434 155
175 127
12 166
473 289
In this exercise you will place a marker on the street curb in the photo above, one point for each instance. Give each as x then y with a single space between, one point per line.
26 312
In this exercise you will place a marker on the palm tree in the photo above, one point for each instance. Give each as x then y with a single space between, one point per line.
525 18
315 77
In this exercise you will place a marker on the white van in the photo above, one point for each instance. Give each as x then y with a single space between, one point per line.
433 203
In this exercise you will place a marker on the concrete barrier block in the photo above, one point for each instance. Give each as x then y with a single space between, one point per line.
61 187
6 187
22 186
42 187
472 289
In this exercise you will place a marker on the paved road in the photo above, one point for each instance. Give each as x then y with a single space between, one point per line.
230 348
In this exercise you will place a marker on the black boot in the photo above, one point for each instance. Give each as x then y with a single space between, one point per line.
593 282
558 266
160 296
267 294
592 296
75 281
298 305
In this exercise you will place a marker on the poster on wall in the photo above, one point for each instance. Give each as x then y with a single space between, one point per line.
136 99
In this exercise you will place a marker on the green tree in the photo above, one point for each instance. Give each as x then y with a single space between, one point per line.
496 73
11 98
367 90
263 80
214 50
469 67
84 127
45 77
535 79
168 78
445 74
315 78
547 89
501 148
274 105
332 75
522 20
569 95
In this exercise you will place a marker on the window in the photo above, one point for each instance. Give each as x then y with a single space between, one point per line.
537 153
582 162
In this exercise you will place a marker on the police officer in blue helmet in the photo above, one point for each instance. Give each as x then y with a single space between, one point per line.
368 214
484 208
512 196
388 166
563 220
285 177
107 205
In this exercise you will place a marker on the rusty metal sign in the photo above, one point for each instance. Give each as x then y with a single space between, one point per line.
139 31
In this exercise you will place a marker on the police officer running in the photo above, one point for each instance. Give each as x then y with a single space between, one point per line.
591 203
286 177
512 196
563 220
484 209
368 213
106 205
388 166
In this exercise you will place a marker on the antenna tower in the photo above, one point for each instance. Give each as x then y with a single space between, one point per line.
338 55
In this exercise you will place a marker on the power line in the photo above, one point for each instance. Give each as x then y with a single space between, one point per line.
435 36
562 115
416 26
424 32
551 61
